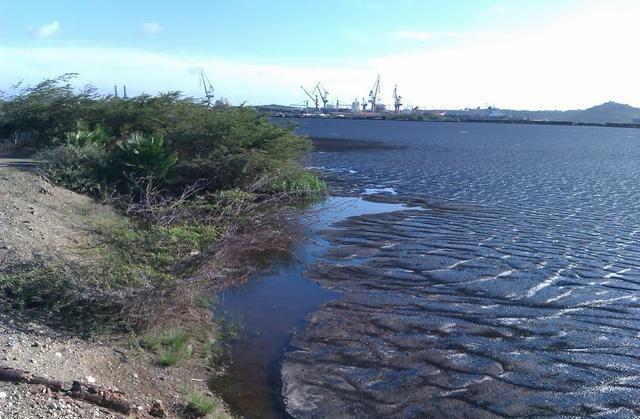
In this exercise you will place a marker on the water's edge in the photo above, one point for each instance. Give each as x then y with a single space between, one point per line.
273 306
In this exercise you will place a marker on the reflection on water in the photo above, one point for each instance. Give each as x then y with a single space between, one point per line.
271 307
514 293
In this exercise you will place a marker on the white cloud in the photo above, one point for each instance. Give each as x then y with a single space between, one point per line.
45 31
151 28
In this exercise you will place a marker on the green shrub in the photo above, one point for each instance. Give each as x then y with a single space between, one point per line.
141 155
80 168
83 136
300 183
199 404
227 147
173 346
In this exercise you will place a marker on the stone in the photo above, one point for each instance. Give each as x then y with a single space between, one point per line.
157 410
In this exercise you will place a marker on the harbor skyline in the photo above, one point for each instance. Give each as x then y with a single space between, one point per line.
505 54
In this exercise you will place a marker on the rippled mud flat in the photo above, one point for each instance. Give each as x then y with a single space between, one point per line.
430 325
512 292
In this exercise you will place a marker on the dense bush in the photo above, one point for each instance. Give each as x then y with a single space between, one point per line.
178 140
80 168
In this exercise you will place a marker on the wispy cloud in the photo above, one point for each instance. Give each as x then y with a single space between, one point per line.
151 28
45 31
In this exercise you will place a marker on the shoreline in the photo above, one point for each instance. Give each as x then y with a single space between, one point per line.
471 120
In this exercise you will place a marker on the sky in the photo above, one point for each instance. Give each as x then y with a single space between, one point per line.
518 54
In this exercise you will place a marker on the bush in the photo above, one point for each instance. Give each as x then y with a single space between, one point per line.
80 168
200 405
299 183
141 155
165 135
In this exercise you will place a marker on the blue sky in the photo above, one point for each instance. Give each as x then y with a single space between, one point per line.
534 54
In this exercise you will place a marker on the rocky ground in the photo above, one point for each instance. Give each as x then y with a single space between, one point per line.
38 220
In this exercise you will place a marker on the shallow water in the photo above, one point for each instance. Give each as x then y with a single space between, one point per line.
512 291
271 307
514 294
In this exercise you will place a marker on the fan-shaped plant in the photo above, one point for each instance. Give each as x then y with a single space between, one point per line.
145 155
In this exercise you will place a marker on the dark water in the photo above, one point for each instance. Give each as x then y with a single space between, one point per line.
268 309
512 291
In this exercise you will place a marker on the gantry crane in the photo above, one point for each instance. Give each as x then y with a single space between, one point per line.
313 99
373 94
207 86
397 99
323 95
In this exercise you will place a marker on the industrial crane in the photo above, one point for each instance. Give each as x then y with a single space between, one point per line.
397 100
323 95
207 86
313 99
373 94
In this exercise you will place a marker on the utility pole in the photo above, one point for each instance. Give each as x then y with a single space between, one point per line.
115 90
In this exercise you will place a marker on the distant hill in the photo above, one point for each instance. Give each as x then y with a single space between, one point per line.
610 112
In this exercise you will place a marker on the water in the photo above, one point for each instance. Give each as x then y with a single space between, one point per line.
511 291
270 307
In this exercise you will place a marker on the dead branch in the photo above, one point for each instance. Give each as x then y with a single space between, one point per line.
109 399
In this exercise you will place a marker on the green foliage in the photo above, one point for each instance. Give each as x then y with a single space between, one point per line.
83 136
300 183
82 168
57 292
168 134
199 404
173 346
154 254
141 155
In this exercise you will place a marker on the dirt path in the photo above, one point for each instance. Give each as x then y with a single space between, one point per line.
40 221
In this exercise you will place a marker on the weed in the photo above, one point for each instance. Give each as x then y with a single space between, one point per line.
199 404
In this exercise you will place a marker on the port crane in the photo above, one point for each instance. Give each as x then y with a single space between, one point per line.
207 86
323 95
313 99
397 99
373 94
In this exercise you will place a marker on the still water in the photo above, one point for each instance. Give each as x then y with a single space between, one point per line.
506 285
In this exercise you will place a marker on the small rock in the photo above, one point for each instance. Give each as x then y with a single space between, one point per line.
58 355
135 375
3 395
90 379
158 410
33 361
